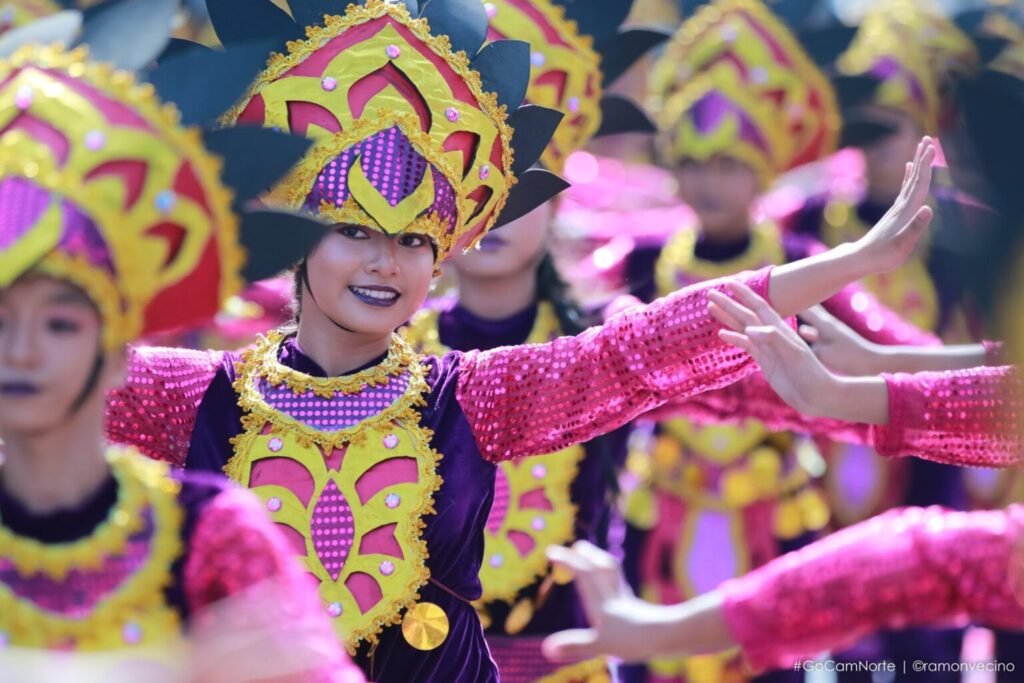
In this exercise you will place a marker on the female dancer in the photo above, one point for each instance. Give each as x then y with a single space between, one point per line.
116 224
379 463
510 293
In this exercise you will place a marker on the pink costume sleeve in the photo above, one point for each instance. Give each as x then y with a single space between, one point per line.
859 309
959 417
962 417
242 584
540 398
916 566
155 410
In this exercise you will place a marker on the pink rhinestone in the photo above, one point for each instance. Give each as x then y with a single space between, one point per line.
539 471
6 19
491 9
131 633
485 172
387 568
452 114
329 84
95 140
537 59
334 609
274 504
23 98
390 441
393 51
497 560
392 500
5 640
275 444
574 104
538 524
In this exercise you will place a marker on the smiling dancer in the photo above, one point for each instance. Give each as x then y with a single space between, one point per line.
379 463
510 292
116 223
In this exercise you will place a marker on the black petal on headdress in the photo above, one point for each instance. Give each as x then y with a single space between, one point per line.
261 234
533 127
463 21
852 91
62 27
204 83
504 68
824 45
247 21
621 50
622 115
128 33
312 12
597 18
179 46
535 187
860 129
794 13
990 47
254 157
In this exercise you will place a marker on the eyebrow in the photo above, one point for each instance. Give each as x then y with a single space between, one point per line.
70 297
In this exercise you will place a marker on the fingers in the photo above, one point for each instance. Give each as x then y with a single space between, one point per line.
596 574
740 341
571 646
809 334
765 314
819 318
736 316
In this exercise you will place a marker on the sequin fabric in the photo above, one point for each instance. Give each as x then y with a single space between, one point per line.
332 414
962 417
394 168
519 660
859 309
538 399
81 590
23 204
155 410
916 566
236 552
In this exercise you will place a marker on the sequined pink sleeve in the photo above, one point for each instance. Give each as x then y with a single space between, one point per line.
752 398
962 417
917 566
856 307
540 398
155 410
240 576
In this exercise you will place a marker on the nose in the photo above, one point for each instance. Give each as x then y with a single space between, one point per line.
18 345
384 260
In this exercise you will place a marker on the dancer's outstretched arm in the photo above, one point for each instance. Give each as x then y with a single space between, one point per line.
540 398
907 567
964 417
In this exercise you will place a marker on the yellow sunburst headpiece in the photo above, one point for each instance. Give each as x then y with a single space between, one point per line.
735 81
576 51
409 133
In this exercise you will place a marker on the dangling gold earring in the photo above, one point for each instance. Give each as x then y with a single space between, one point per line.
438 272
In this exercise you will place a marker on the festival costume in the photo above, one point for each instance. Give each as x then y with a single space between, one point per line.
573 59
102 187
382 479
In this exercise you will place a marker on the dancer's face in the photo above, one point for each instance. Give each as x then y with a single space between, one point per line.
50 336
721 191
886 158
509 250
368 282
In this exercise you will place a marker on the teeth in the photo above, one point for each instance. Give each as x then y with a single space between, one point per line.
375 294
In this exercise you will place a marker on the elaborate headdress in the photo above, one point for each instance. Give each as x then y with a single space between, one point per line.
409 117
102 184
734 80
576 50
914 55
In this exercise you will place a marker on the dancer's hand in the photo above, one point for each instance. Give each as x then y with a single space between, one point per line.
838 346
789 365
891 241
622 625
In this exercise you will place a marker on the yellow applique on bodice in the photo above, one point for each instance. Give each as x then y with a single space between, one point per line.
345 465
532 506
909 290
104 591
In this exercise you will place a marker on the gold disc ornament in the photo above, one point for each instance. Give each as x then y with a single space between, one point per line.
425 626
